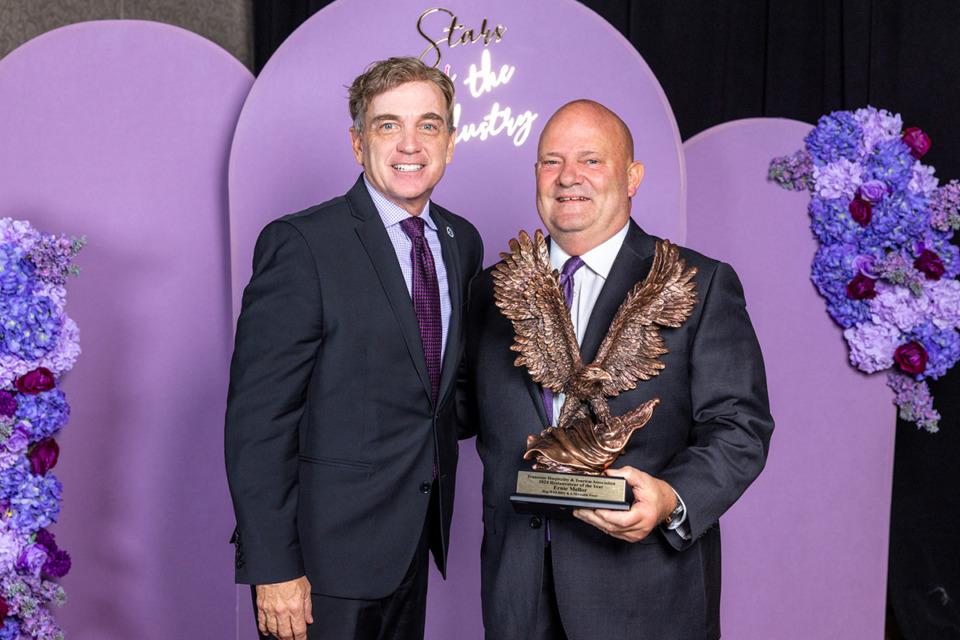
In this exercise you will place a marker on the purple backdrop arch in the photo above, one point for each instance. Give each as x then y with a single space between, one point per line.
805 549
119 131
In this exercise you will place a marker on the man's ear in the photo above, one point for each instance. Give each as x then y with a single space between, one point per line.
357 145
634 177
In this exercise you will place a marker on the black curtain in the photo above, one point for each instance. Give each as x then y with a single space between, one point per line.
722 61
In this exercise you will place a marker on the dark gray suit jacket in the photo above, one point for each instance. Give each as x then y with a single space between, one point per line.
330 430
708 438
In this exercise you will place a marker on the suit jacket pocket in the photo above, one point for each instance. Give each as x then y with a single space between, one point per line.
345 464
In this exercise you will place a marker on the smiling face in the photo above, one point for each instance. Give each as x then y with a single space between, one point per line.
585 176
405 144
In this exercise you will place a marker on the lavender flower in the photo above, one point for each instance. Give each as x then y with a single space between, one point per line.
838 179
876 125
922 179
872 346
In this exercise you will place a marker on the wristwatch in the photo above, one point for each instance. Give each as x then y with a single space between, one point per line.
673 520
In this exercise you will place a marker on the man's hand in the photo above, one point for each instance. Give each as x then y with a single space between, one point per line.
653 500
284 609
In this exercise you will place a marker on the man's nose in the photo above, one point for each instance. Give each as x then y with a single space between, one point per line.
409 141
570 174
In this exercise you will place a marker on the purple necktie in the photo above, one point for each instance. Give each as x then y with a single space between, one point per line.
426 299
566 285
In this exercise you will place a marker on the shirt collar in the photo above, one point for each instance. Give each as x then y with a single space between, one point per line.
600 259
392 213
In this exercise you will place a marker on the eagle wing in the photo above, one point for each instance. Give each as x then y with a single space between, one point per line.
633 344
527 292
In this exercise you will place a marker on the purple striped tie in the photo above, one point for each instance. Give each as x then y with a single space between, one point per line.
426 299
566 285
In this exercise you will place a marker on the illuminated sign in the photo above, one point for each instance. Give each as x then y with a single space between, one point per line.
480 80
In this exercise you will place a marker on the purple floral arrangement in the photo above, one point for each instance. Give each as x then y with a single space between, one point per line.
38 344
885 265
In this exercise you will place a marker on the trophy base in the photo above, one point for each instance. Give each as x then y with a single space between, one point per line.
556 495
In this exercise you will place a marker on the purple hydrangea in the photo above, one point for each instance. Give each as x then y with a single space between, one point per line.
15 271
942 346
836 136
831 221
44 413
890 162
833 269
29 326
839 179
877 125
872 346
36 502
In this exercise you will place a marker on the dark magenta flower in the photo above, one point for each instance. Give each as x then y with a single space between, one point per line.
929 264
36 381
8 405
43 456
861 288
58 564
917 140
861 210
911 357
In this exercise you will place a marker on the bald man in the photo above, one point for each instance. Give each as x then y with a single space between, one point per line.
653 572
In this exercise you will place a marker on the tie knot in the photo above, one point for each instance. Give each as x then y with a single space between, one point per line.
412 226
570 267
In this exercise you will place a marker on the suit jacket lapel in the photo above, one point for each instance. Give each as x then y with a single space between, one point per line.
382 255
632 264
451 261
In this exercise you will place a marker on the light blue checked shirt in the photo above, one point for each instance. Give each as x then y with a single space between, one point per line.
392 214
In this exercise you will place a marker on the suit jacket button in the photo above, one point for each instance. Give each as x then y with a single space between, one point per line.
424 487
535 522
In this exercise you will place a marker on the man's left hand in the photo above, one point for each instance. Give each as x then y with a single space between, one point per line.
653 500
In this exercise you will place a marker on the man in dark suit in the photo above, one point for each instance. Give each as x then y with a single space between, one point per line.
341 434
653 572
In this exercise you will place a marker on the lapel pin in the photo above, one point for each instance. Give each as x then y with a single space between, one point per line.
449 232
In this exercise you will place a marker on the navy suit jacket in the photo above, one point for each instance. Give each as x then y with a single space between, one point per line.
708 438
330 430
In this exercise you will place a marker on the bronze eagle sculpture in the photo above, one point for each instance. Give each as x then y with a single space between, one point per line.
587 439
